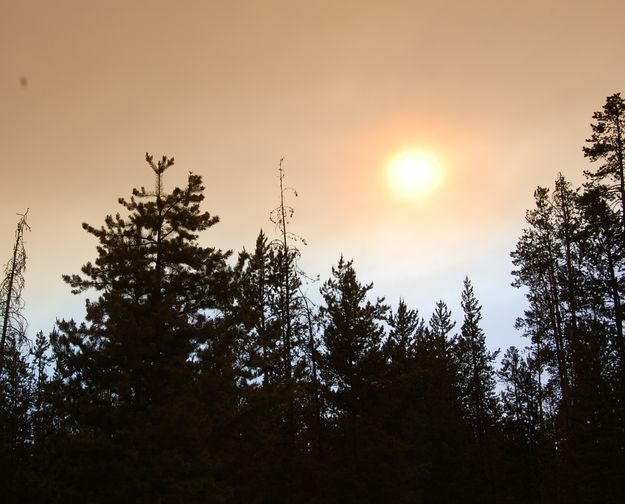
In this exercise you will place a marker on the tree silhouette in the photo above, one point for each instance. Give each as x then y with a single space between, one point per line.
15 393
477 385
129 400
11 303
607 144
192 380
352 338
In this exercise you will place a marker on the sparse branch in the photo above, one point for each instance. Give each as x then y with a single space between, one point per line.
13 322
159 168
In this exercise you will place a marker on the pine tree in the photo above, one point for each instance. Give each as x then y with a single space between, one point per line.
538 259
264 462
570 259
128 394
605 253
255 279
15 422
607 144
352 365
441 324
477 385
406 327
400 429
522 426
36 483
449 456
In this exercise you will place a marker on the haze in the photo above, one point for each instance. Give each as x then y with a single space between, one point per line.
503 92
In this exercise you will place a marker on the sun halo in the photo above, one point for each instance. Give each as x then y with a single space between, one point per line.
414 173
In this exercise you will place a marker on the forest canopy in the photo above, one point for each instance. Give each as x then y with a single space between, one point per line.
201 376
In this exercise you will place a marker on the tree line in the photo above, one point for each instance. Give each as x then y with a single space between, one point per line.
200 377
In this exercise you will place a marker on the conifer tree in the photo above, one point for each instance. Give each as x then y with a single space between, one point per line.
406 328
476 366
261 463
290 315
522 426
538 259
477 385
607 144
605 253
451 477
411 413
441 324
256 291
352 365
128 395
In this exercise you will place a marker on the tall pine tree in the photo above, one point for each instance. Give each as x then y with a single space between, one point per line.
477 389
129 403
352 365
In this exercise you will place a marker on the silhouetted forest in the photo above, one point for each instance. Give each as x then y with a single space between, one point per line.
201 376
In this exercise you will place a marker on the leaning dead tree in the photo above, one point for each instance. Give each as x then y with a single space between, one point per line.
11 302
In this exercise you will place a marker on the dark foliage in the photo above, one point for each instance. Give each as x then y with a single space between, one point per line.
195 380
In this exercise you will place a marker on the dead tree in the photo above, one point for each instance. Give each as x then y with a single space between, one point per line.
11 302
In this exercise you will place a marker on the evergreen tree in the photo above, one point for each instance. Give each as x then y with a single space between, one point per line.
401 429
15 420
405 328
441 325
448 449
190 381
538 259
264 461
256 292
570 259
128 396
522 427
607 144
274 318
352 365
477 387
605 253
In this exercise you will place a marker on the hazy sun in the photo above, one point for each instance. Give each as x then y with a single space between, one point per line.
414 173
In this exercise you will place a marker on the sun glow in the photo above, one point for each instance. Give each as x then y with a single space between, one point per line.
414 173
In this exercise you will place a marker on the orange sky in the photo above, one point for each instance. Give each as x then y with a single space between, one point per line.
503 92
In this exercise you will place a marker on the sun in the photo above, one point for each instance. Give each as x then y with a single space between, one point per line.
414 173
